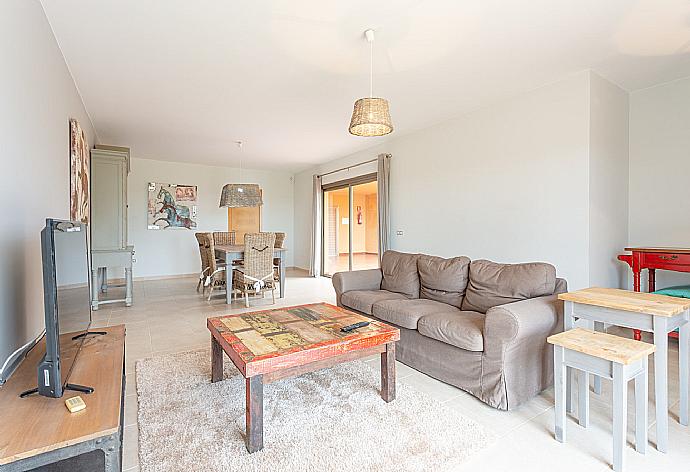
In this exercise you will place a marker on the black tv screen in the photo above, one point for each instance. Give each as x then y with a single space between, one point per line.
66 286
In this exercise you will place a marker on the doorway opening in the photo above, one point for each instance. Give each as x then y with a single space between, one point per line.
350 225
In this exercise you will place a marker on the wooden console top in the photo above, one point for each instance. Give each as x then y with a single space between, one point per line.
674 250
36 424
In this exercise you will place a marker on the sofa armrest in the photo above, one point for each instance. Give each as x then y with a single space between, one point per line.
369 279
517 362
517 321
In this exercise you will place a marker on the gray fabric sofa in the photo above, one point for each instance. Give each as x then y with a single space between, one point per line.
478 325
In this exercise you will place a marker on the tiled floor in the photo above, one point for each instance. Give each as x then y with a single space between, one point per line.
169 316
360 261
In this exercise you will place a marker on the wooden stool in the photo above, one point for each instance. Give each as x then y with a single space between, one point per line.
611 357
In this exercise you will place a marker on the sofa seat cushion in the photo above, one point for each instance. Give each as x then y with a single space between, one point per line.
406 313
461 329
362 300
400 273
443 280
492 284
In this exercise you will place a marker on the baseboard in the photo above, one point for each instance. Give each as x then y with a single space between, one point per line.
172 276
121 280
70 286
163 277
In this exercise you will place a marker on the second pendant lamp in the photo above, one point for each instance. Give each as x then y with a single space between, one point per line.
240 195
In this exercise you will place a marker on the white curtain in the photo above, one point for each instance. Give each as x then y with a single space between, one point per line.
316 217
383 179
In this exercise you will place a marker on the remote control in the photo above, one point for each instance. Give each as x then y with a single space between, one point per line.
348 328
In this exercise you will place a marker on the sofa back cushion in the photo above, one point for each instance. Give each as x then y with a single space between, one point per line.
443 280
493 284
400 273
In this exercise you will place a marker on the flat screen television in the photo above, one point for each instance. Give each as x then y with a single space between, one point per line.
67 303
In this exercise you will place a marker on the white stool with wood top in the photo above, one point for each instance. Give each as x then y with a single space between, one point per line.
611 357
656 314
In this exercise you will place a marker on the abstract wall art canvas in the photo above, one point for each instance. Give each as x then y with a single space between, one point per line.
172 206
80 174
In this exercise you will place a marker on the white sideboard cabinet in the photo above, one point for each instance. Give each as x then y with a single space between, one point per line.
109 248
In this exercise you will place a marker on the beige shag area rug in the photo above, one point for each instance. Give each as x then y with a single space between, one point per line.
330 420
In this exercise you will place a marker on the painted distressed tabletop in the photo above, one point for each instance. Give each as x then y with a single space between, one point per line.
262 342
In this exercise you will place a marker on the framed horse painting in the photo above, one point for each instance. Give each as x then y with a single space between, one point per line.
80 174
172 206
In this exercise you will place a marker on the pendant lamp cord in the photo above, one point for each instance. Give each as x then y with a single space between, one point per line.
371 69
239 146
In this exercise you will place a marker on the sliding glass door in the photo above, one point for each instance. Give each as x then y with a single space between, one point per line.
336 230
365 226
350 225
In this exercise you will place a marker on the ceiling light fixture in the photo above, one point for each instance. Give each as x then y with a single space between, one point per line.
371 116
241 195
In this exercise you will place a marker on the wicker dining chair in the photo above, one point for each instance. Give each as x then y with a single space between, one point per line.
224 237
203 253
255 275
215 271
280 241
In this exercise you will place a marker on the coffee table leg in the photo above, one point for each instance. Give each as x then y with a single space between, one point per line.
388 373
254 414
216 360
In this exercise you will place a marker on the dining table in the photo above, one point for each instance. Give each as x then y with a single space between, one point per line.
235 252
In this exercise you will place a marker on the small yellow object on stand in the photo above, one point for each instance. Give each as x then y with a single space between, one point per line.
75 404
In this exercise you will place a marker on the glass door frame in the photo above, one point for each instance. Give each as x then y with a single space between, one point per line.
338 185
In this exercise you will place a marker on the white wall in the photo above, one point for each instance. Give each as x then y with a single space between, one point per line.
302 218
38 98
175 251
608 183
508 183
659 169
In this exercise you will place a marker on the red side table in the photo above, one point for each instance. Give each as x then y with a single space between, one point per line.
652 258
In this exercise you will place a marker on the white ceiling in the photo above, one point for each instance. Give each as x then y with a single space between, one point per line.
181 80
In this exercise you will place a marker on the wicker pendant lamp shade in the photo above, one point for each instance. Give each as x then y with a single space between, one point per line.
371 116
241 196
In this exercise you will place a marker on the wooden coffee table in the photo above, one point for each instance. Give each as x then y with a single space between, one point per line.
285 342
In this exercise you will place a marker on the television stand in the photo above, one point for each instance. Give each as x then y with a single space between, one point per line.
86 333
38 431
69 386
79 388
